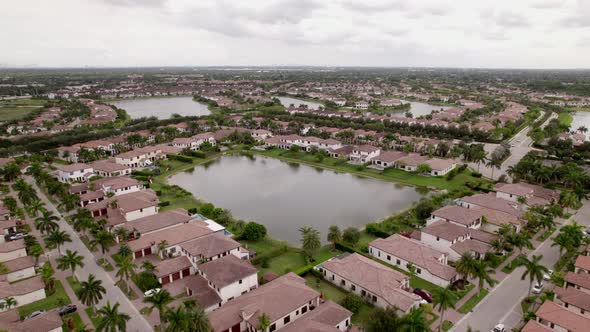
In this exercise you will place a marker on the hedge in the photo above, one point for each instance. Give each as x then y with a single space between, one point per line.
181 158
375 229
164 203
304 270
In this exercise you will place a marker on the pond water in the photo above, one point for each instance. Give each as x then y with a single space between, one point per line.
287 101
162 108
420 109
286 196
580 119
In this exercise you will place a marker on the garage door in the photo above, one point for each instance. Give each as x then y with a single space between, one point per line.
175 276
186 272
148 251
138 254
165 280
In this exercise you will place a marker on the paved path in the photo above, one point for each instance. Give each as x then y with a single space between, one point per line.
502 305
113 294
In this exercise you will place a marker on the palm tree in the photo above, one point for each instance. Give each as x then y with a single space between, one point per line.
494 163
91 291
520 240
8 303
334 235
69 202
104 239
71 260
415 321
159 301
148 266
122 234
47 277
36 251
126 269
162 247
11 172
466 265
82 221
177 320
569 199
56 239
482 273
533 269
111 320
570 237
263 322
444 299
47 222
125 251
310 240
198 321
35 207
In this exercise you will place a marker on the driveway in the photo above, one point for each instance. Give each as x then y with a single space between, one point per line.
502 305
113 294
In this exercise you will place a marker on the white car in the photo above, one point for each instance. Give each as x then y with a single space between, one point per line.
499 328
538 288
547 276
151 292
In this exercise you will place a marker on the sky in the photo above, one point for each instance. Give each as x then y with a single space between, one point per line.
389 33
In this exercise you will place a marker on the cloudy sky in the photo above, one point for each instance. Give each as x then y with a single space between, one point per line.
430 33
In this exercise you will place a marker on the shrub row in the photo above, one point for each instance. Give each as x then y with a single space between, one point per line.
269 255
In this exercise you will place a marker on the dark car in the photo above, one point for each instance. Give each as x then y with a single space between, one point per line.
423 294
67 309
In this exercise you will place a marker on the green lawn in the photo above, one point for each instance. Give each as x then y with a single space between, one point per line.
93 319
105 264
510 266
391 175
76 322
56 300
263 245
15 113
446 325
293 260
473 301
565 119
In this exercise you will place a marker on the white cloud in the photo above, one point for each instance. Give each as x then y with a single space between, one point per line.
460 33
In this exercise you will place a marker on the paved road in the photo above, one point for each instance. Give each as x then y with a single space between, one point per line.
502 305
520 145
113 294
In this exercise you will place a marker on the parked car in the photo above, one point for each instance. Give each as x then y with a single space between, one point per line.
67 309
538 288
499 328
16 236
547 276
35 314
423 294
151 292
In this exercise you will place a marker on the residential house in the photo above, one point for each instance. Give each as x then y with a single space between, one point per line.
47 322
170 270
401 251
74 173
283 300
364 153
328 317
24 292
457 215
374 282
230 276
558 318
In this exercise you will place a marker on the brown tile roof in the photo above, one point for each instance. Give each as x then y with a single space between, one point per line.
91 195
498 218
483 236
554 313
534 326
204 294
471 246
323 319
417 253
174 236
578 279
446 230
438 164
169 266
366 148
583 262
513 188
574 297
158 221
73 167
390 156
21 288
20 263
45 322
374 277
227 270
211 245
413 159
490 201
275 299
12 245
117 182
458 214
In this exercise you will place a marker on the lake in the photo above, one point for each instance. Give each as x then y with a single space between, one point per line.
287 101
580 119
286 196
420 109
162 108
